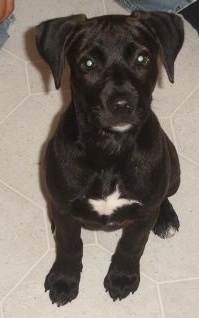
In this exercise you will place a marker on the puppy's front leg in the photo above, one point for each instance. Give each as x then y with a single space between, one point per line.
64 276
124 272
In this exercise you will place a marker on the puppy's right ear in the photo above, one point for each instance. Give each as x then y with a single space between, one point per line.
54 38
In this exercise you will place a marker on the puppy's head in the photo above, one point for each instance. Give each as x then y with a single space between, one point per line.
113 62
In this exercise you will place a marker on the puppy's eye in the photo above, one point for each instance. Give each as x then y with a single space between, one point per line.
87 64
142 59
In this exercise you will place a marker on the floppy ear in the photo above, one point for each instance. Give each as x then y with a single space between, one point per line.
168 31
54 38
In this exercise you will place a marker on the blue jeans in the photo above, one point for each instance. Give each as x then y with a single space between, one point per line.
4 29
155 5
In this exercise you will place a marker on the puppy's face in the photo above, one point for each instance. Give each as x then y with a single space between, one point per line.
113 72
113 62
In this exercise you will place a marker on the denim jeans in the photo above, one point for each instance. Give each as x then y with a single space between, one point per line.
4 29
155 5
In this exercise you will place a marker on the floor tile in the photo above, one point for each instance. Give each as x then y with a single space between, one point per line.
41 79
166 126
113 7
22 238
22 137
186 125
29 299
168 97
177 257
13 87
190 31
22 43
109 240
180 299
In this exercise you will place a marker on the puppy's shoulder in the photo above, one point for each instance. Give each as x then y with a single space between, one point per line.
151 133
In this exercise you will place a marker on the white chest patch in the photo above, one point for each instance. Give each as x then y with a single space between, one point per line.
108 205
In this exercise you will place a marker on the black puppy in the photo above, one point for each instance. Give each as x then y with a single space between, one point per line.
110 165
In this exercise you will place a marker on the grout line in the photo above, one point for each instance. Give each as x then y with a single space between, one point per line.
192 39
46 229
104 7
53 91
15 108
89 245
96 238
14 55
24 276
163 117
185 100
27 78
174 134
105 249
160 301
189 159
1 310
148 277
175 281
22 195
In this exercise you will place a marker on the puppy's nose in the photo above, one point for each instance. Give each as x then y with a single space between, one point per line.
121 106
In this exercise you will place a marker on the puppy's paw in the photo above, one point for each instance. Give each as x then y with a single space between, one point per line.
121 283
168 223
62 288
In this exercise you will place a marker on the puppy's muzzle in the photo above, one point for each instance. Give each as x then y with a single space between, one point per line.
120 106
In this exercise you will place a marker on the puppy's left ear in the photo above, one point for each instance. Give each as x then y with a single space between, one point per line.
168 31
54 38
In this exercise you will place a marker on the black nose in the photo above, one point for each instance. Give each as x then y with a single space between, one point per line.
121 106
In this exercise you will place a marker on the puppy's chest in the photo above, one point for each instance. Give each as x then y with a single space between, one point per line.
107 194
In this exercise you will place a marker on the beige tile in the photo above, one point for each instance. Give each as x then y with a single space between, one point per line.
180 299
13 86
113 7
190 31
109 240
186 125
41 79
29 299
178 257
22 238
168 97
22 138
29 14
88 237
166 126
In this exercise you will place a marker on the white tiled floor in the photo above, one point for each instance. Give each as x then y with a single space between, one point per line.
28 107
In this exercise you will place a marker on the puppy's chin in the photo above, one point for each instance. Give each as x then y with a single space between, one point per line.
119 124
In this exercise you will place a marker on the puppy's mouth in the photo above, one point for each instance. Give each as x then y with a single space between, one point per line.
119 124
121 128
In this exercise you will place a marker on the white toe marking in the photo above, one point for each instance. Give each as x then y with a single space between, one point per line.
111 203
121 128
171 232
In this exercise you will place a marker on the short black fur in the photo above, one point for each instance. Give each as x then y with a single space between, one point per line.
109 142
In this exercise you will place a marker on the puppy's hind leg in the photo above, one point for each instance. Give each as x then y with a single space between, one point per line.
167 223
